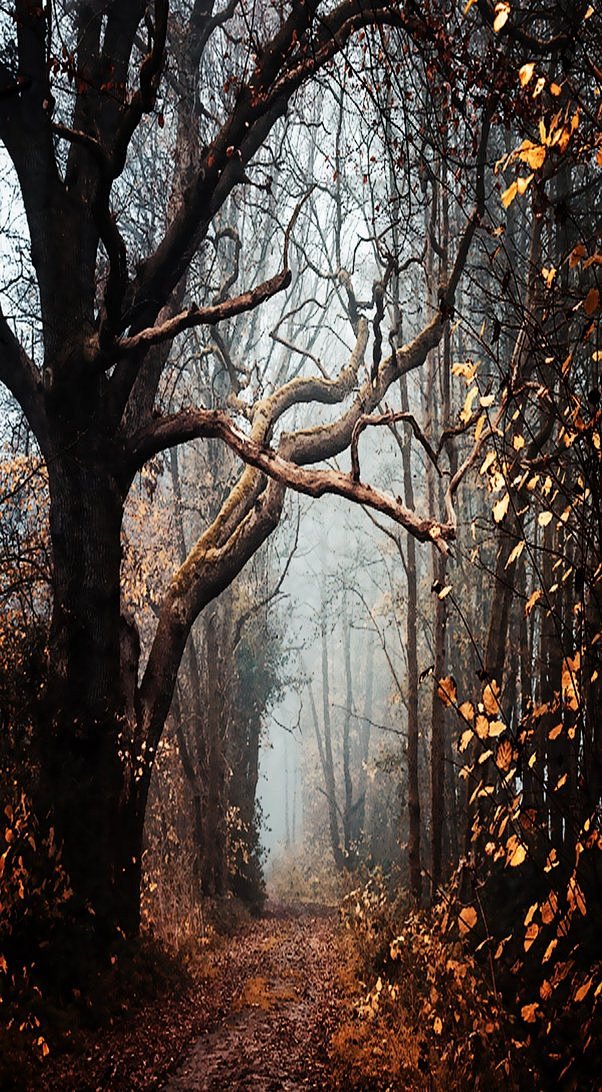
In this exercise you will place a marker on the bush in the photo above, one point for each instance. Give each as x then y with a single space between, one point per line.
424 1016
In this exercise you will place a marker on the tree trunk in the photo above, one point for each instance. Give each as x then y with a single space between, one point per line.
90 773
412 683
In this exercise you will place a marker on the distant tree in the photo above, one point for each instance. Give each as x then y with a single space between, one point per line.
87 88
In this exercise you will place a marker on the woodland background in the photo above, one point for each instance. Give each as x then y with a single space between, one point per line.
300 358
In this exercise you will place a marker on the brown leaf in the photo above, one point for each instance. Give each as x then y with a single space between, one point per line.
447 691
592 301
467 919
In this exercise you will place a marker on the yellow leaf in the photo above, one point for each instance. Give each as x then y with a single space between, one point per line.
544 518
533 155
517 856
465 739
555 732
515 553
532 600
509 194
467 370
502 11
522 184
525 73
549 275
488 461
467 919
518 442
466 711
499 510
561 781
487 400
496 728
444 592
491 694
555 90
467 410
437 1025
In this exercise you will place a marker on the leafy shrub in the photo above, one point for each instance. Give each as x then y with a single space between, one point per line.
424 1016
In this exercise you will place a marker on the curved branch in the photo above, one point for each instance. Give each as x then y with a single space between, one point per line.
389 418
193 424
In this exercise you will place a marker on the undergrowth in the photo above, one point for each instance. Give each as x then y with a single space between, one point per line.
305 875
422 1016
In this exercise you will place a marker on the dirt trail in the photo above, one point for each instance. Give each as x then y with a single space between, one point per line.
277 1017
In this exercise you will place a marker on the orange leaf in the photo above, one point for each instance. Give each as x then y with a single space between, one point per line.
532 600
529 1013
509 194
517 854
525 73
447 690
531 934
482 727
583 990
491 694
467 919
503 757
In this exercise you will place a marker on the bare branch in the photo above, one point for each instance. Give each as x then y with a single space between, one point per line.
196 423
216 312
205 316
388 418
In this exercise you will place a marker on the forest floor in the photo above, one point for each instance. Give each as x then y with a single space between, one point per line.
260 1015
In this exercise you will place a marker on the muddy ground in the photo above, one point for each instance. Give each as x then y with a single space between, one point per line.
259 1016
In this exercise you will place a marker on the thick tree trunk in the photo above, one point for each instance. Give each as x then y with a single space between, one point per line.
89 775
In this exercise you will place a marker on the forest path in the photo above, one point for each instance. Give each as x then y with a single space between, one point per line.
280 1008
